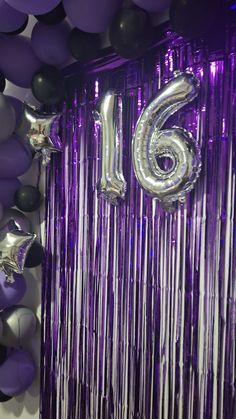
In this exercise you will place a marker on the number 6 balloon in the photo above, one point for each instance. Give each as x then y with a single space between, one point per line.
150 142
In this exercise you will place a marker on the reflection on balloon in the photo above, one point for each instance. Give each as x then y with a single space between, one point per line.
11 293
151 143
19 325
112 185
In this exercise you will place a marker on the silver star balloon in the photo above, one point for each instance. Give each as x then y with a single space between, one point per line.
14 246
41 131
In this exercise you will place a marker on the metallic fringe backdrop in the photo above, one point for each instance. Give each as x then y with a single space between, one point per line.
139 305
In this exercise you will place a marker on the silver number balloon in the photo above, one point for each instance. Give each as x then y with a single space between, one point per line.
111 185
151 143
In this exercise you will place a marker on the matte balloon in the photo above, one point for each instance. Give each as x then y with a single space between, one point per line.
84 46
28 198
1 328
21 29
1 211
19 325
17 373
153 5
8 188
17 60
91 16
193 18
35 256
4 398
7 118
15 158
10 19
131 32
2 82
20 219
18 107
53 17
35 7
3 354
48 85
50 43
11 293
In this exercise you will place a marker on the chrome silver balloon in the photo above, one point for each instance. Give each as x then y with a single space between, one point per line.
111 185
14 247
41 131
151 144
19 323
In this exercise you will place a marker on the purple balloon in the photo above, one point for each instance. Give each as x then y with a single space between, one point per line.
17 59
153 5
1 211
11 294
10 19
50 43
18 106
8 188
34 7
91 15
15 158
17 373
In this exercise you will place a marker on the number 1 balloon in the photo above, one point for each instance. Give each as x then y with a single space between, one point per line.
14 247
112 185
150 142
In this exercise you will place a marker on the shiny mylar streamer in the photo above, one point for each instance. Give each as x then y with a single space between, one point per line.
139 305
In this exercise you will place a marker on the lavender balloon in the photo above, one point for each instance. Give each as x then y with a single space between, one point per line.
8 188
79 13
50 43
11 294
153 5
15 158
17 373
7 118
17 60
33 7
10 19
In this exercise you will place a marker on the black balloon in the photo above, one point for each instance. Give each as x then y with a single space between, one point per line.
53 17
28 198
193 18
48 85
19 30
2 82
131 32
35 255
3 354
4 397
84 46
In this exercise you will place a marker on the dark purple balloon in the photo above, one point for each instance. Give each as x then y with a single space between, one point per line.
11 294
18 106
10 19
17 373
50 42
15 158
8 188
91 15
153 5
17 59
33 7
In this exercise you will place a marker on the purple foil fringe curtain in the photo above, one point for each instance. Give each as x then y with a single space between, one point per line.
139 306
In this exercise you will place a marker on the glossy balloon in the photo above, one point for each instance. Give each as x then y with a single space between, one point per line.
48 85
17 49
35 256
84 46
19 325
14 247
8 188
153 5
11 293
50 43
10 19
34 7
131 32
111 186
2 82
20 219
28 198
15 158
7 118
53 17
91 15
17 373
151 143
